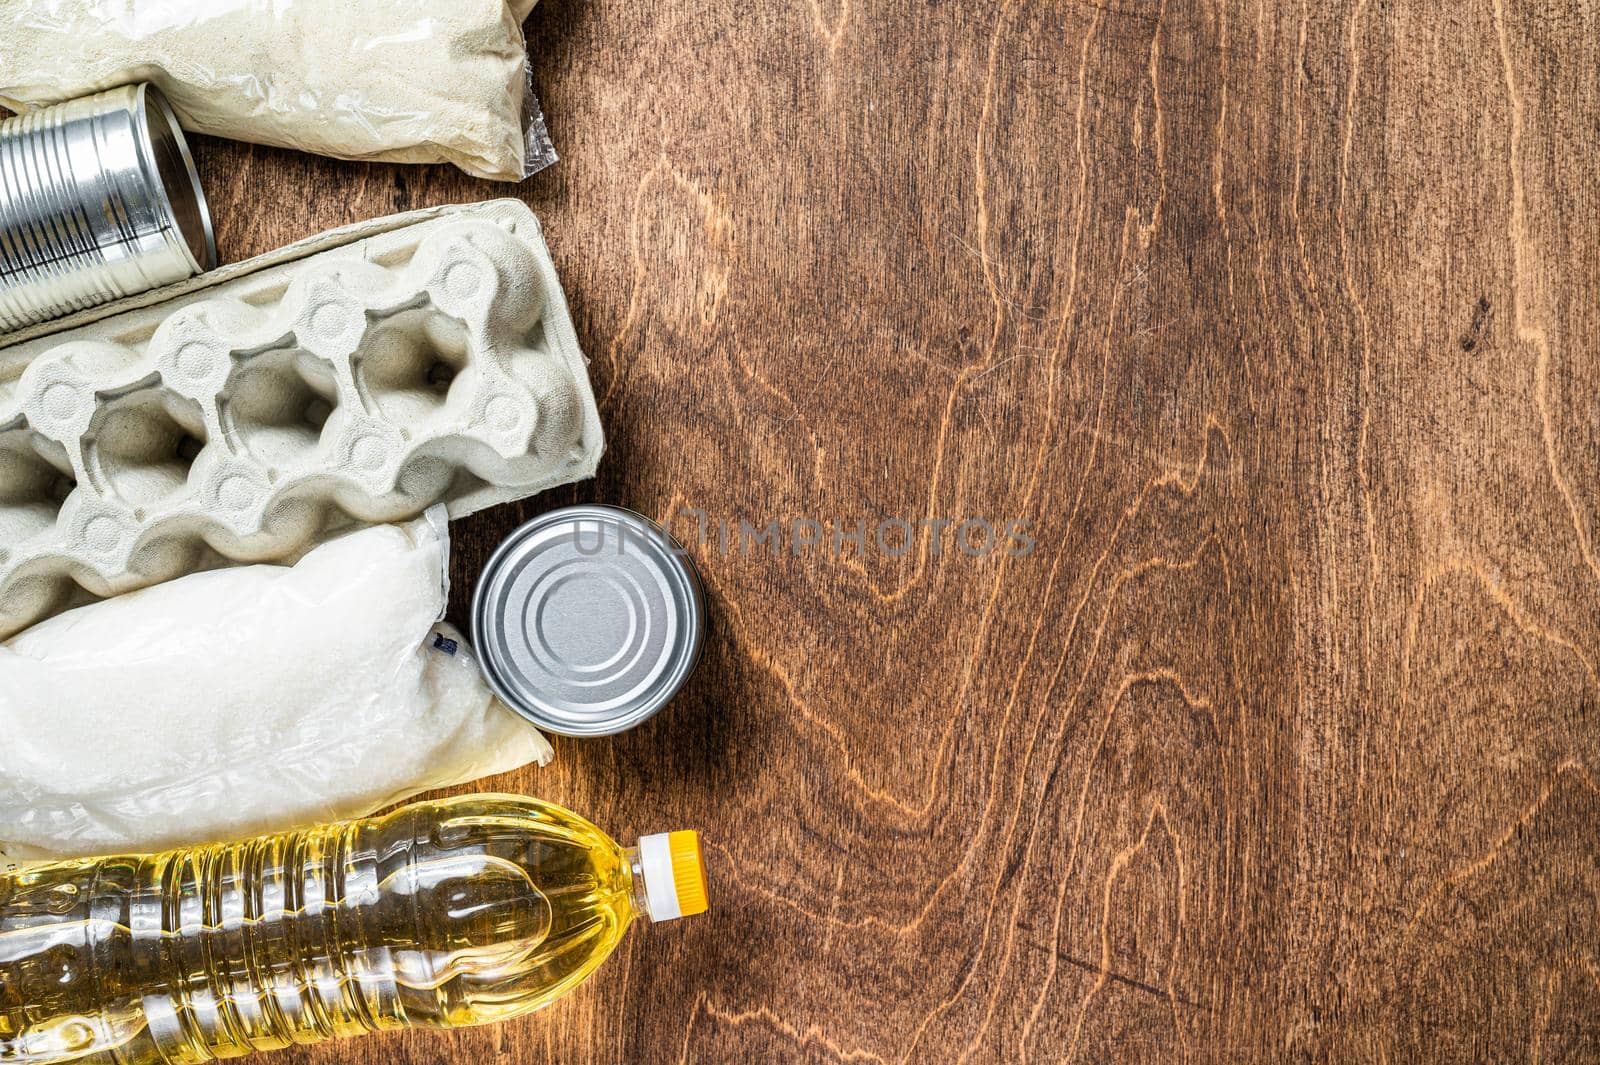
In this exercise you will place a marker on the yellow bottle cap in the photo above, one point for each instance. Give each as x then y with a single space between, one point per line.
674 871
688 872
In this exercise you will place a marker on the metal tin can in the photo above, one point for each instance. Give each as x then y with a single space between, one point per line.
588 620
99 199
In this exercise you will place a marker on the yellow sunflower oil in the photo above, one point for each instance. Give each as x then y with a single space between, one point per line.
440 915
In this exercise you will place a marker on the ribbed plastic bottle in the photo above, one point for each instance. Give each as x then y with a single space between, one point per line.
440 915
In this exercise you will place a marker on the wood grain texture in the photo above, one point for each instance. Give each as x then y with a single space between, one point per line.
1278 322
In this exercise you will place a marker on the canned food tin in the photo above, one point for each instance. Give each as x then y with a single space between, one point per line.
99 199
588 620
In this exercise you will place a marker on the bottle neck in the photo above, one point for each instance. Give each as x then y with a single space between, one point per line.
639 893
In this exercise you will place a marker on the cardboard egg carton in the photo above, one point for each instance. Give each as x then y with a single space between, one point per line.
356 378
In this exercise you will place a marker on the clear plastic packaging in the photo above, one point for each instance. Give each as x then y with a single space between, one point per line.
247 700
406 81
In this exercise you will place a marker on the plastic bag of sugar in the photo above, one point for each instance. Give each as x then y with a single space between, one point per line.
248 700
400 81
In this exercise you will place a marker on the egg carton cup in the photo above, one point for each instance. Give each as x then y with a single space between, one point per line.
358 377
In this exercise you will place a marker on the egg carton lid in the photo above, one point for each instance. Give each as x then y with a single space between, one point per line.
365 243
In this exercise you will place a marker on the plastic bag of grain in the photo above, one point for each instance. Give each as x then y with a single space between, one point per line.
405 81
247 700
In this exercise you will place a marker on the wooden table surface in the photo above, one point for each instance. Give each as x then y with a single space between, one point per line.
1276 324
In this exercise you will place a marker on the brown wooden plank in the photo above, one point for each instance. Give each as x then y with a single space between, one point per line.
1278 323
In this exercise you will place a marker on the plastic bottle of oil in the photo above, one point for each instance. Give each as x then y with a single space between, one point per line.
439 915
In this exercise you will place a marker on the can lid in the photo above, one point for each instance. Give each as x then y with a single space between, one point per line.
588 620
174 182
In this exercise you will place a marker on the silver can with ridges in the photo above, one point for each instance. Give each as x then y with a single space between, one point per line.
99 199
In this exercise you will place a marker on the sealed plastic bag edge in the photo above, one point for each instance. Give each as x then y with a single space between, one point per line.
536 134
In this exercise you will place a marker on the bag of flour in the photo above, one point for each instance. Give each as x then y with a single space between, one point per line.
405 81
241 701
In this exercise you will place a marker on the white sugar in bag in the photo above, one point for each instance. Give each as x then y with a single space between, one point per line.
248 700
403 81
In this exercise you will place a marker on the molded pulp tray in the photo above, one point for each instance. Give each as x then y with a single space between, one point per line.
354 378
